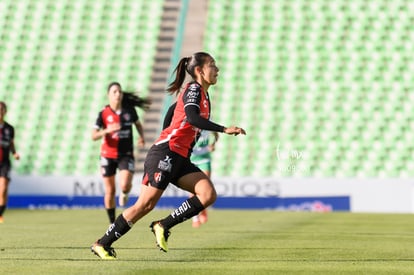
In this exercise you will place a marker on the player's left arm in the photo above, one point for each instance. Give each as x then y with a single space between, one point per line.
13 150
140 129
192 100
192 112
138 126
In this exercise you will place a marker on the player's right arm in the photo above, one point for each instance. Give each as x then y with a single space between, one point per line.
99 130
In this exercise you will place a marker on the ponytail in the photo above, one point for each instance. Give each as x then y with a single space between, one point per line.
179 76
186 64
133 100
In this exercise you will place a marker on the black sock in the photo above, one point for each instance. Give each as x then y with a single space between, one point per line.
115 231
187 210
2 209
111 214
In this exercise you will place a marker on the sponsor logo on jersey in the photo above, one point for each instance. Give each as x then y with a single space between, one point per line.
124 133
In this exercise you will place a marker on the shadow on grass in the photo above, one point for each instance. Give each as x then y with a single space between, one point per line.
3 252
216 260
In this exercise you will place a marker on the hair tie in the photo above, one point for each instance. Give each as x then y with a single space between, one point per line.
187 59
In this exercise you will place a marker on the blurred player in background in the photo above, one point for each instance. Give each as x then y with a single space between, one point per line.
114 125
6 147
168 160
200 156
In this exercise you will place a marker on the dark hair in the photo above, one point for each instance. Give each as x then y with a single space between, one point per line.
186 64
131 99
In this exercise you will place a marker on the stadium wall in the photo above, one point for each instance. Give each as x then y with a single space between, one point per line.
319 195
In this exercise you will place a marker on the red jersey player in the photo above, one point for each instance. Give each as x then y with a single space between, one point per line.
114 126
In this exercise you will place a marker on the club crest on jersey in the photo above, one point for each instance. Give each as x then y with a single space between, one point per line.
158 177
194 87
165 165
205 103
127 117
110 119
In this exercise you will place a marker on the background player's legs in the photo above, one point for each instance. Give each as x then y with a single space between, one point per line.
125 182
4 184
109 197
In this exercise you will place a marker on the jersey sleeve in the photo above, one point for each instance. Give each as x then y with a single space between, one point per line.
99 122
134 115
11 132
192 96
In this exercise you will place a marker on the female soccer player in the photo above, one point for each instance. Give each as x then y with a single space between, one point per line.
168 160
6 147
114 125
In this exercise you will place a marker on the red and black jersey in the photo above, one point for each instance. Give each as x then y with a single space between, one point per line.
180 134
119 143
6 139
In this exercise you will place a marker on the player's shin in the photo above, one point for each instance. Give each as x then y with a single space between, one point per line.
187 210
115 231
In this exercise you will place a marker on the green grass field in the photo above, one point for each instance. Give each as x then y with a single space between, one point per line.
232 242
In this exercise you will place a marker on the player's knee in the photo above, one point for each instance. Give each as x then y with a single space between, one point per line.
126 188
209 197
111 192
213 196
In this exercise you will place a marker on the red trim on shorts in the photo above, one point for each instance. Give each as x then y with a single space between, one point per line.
145 180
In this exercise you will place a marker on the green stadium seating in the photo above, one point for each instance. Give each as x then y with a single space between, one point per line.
323 88
57 57
328 79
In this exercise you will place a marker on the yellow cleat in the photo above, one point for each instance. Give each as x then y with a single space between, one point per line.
102 252
161 235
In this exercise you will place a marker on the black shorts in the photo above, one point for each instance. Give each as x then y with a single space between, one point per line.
109 166
5 170
163 166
